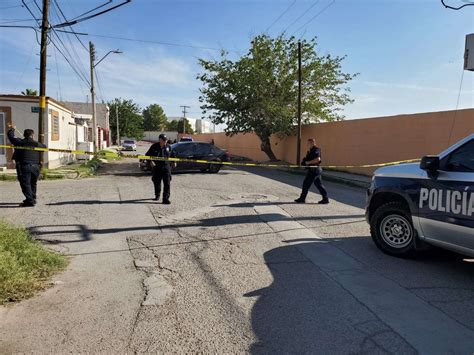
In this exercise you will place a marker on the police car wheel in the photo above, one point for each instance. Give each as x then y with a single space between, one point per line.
392 230
214 168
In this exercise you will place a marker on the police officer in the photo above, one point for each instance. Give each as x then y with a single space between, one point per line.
27 164
313 174
161 169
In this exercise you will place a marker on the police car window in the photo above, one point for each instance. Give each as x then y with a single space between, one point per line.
188 149
202 149
216 151
462 159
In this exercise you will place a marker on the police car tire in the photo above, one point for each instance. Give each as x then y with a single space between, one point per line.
214 168
392 208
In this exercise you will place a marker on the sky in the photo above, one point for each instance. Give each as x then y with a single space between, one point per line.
408 53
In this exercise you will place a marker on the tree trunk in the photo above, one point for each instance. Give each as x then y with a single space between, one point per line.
266 147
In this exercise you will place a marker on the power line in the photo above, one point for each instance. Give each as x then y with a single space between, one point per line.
457 107
58 8
17 26
75 56
157 42
281 15
13 20
73 22
10 7
98 79
57 73
96 8
301 16
25 5
315 16
73 66
71 57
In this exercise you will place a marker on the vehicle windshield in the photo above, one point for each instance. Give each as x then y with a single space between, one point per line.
129 142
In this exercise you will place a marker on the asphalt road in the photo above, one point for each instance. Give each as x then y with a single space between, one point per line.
232 265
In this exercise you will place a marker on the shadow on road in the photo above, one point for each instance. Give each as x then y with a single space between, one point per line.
81 231
206 222
352 196
303 311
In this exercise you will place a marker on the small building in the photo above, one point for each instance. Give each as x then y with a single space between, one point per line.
60 128
198 125
83 109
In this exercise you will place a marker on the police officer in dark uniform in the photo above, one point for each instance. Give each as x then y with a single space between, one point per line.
161 169
27 164
313 174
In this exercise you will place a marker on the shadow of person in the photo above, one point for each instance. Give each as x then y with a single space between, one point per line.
303 310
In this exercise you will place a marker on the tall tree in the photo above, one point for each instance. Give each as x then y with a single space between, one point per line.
130 119
259 92
30 92
154 118
177 126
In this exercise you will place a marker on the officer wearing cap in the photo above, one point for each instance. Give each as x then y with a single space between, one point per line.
313 174
161 169
27 163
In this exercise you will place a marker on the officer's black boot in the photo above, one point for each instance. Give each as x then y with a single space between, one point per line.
324 201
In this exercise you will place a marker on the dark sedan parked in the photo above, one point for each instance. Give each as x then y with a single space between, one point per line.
195 151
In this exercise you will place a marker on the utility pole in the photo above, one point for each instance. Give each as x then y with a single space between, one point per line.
118 130
298 143
184 117
42 99
94 118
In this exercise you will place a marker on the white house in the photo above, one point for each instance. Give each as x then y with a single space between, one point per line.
60 128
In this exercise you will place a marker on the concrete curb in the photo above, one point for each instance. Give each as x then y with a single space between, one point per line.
348 179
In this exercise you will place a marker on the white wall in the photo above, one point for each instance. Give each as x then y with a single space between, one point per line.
152 136
67 136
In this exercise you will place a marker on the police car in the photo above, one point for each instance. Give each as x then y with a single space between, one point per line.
412 206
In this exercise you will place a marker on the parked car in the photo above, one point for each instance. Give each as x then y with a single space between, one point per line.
194 151
129 145
412 206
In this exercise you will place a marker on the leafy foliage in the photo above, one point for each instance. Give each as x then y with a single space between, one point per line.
259 91
177 126
30 92
154 118
130 119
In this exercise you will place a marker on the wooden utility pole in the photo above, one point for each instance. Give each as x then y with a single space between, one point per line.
43 57
298 140
184 117
118 129
94 118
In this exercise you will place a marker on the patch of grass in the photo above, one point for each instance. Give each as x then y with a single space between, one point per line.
89 168
47 174
7 177
25 265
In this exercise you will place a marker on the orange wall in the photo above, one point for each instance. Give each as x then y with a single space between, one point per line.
362 141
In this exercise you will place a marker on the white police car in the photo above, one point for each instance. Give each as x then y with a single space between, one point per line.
412 205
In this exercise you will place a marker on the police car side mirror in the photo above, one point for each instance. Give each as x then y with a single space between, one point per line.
430 163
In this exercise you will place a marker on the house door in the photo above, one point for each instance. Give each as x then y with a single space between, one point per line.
3 139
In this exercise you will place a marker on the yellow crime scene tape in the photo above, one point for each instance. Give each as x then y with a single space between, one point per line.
108 154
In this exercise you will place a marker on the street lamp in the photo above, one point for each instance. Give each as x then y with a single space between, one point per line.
93 66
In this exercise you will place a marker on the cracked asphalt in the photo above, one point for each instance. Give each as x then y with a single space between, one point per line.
231 266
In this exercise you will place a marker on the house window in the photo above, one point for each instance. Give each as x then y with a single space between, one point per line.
54 125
